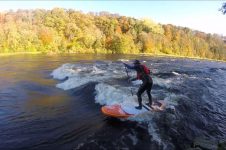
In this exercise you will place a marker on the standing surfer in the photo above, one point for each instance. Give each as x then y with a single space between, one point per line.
143 73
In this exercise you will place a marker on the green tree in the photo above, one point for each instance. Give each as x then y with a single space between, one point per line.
56 18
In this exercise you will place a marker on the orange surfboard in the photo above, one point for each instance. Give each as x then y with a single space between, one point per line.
115 111
118 111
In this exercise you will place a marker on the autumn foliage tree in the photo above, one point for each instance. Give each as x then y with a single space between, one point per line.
69 31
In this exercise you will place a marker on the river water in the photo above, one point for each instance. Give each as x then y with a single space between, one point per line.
53 102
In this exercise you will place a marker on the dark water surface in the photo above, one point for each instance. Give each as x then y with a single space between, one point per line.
35 114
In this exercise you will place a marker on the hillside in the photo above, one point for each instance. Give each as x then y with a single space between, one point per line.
69 31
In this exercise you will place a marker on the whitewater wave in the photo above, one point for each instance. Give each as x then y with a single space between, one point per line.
80 74
107 90
109 95
112 87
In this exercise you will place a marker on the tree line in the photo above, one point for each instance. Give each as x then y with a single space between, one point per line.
69 31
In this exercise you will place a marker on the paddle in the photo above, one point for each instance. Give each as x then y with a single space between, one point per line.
128 79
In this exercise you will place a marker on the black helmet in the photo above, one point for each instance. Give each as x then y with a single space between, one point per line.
136 62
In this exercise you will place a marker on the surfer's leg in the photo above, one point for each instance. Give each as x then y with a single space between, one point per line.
139 93
148 90
149 96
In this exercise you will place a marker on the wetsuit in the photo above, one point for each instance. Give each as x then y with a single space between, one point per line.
146 83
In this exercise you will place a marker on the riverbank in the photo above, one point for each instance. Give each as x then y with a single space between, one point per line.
139 54
19 53
177 56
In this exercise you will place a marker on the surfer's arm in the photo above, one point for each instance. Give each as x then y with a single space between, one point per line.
129 66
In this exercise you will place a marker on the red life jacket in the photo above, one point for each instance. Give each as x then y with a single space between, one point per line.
146 70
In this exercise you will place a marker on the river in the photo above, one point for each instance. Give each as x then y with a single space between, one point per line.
53 102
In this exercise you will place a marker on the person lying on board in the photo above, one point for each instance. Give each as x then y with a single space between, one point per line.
143 73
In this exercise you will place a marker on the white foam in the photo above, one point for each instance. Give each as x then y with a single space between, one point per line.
123 60
81 74
64 71
137 82
97 70
129 107
154 70
153 130
220 70
171 98
175 73
73 83
193 77
162 82
109 95
208 79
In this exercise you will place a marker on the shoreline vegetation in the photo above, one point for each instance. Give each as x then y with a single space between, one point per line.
67 31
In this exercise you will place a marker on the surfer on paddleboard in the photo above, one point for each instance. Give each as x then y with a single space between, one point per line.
143 73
